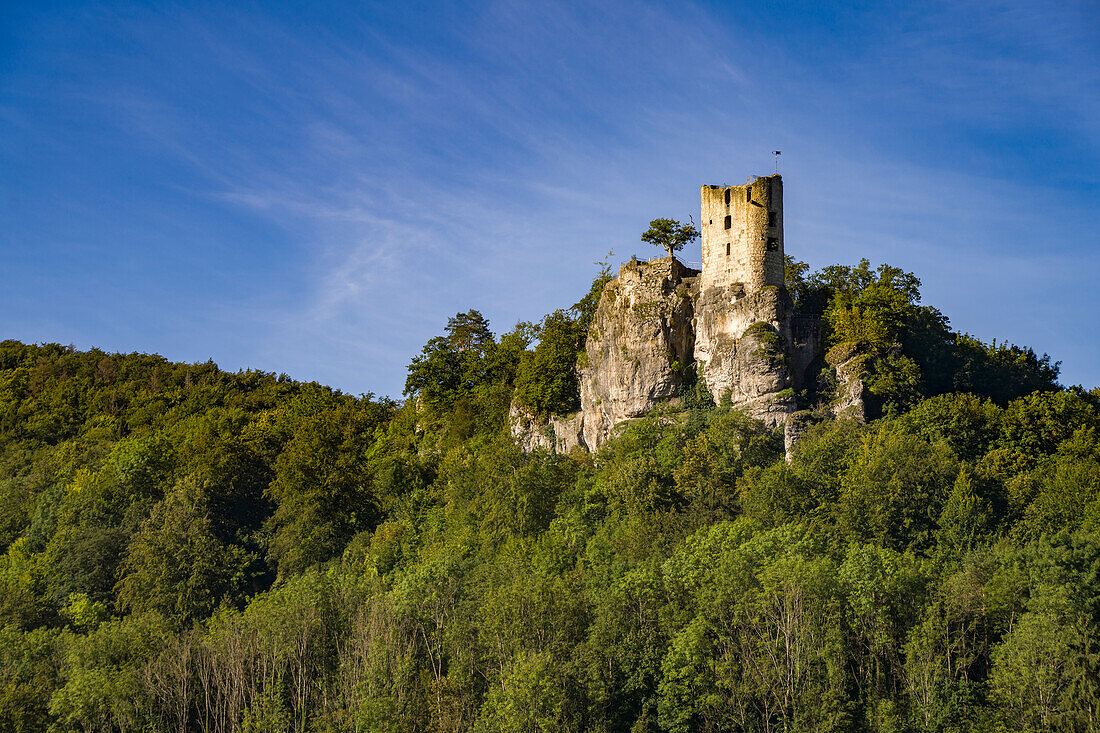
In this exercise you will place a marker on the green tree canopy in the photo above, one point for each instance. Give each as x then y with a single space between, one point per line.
670 235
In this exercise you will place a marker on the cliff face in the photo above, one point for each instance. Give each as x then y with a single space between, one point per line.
640 343
559 434
653 324
743 346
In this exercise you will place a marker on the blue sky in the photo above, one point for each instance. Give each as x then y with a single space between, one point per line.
315 188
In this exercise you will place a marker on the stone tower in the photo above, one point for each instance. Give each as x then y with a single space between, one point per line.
730 325
742 229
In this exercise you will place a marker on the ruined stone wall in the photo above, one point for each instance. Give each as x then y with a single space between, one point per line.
742 228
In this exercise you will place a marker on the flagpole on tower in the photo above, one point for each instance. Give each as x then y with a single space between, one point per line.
776 153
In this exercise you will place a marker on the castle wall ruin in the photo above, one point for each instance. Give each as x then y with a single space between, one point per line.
730 325
742 228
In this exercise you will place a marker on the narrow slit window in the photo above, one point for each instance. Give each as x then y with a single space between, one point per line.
773 244
729 222
727 197
748 193
771 218
727 249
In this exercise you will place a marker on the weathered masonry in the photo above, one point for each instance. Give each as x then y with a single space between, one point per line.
742 228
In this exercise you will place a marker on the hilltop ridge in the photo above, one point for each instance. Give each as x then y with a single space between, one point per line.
660 324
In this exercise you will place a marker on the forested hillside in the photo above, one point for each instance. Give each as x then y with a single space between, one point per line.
188 549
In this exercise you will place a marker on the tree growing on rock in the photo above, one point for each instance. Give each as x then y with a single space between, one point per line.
670 235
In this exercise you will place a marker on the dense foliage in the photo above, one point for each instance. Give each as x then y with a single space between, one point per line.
186 549
908 351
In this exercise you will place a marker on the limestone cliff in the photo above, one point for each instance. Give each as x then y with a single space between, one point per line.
559 434
638 347
652 326
640 343
742 347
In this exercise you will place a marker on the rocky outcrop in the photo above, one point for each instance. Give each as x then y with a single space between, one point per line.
841 390
742 343
652 327
640 343
559 434
638 349
849 361
793 427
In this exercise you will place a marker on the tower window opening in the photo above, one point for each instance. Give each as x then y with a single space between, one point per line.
727 249
748 194
771 218
773 244
729 222
727 197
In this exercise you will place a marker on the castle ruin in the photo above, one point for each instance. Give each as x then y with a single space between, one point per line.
742 228
661 326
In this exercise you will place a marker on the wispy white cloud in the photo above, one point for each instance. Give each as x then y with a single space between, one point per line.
488 160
